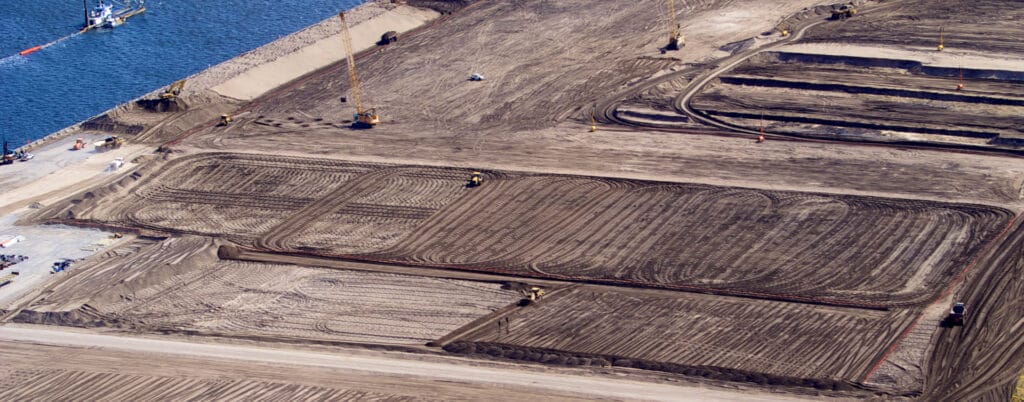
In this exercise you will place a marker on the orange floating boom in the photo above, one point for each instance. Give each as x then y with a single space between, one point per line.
30 50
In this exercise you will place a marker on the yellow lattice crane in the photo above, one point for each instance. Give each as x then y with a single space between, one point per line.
675 37
363 118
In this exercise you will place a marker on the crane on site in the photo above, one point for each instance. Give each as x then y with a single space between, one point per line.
675 36
363 118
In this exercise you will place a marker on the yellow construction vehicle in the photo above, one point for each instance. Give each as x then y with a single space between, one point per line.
941 41
675 36
844 11
475 179
112 142
362 118
225 119
531 295
174 90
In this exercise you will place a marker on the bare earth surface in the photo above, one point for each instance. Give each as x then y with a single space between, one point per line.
670 244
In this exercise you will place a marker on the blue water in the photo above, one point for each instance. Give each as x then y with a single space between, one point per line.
90 73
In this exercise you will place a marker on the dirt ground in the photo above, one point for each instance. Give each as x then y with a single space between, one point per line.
795 246
60 373
178 286
783 341
831 261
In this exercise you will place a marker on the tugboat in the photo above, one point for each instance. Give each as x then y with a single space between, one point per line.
103 14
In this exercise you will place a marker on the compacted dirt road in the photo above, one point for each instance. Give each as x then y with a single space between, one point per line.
547 383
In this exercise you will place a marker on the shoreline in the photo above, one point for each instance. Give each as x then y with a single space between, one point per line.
200 86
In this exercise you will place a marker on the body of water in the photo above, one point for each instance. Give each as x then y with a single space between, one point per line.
87 74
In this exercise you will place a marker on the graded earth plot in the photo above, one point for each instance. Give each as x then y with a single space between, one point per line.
992 26
881 75
992 331
714 336
543 63
793 246
45 372
860 97
236 196
833 249
179 286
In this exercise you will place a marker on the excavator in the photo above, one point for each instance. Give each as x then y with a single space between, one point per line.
174 90
362 118
675 36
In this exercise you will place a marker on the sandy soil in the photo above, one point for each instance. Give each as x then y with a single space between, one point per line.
394 192
796 246
782 341
175 286
954 58
266 76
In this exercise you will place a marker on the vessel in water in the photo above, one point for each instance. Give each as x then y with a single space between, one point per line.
103 15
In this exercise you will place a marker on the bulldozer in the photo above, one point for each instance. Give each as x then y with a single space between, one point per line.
174 90
475 180
112 142
843 12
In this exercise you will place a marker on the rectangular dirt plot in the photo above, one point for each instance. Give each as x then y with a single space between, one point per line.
834 249
778 339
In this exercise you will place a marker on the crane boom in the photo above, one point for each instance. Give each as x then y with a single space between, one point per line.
363 118
673 28
353 79
675 38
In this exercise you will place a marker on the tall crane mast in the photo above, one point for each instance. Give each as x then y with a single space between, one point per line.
363 118
675 38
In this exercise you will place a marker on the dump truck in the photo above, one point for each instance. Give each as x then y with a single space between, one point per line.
843 12
112 142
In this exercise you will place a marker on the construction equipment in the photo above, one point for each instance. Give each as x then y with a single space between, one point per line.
388 37
112 142
7 279
531 295
956 315
783 30
941 40
362 118
475 180
675 36
79 144
844 11
960 85
8 157
174 90
225 119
